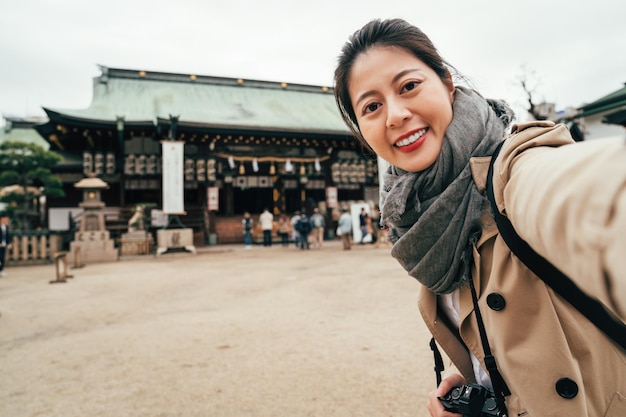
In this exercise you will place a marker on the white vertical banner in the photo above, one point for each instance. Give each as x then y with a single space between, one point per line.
213 198
173 184
331 197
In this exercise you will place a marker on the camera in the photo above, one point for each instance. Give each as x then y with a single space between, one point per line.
471 400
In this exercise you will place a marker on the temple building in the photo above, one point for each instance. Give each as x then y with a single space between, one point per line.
248 145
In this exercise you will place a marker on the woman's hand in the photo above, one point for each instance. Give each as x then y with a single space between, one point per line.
434 405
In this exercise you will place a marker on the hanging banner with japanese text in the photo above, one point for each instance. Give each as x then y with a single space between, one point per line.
173 184
331 197
213 198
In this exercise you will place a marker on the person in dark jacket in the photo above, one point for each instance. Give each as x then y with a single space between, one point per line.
5 242
304 228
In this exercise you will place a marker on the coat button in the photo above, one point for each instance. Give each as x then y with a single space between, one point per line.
495 301
566 388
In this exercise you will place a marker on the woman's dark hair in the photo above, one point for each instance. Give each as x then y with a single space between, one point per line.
393 32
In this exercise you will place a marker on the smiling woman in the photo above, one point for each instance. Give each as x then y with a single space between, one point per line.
396 94
401 105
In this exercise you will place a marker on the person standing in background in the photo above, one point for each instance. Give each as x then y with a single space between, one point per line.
319 224
363 219
267 223
284 228
296 235
345 228
304 227
246 225
5 242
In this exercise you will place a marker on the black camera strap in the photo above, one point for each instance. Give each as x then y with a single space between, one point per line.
497 381
500 389
590 307
439 368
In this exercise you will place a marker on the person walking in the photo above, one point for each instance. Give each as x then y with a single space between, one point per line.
246 226
345 228
319 224
267 224
5 242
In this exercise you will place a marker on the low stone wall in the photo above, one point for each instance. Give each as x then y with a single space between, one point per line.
32 248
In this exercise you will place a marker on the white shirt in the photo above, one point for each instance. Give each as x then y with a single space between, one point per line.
266 219
450 307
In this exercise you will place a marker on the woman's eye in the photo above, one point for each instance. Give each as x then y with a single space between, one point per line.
411 85
371 107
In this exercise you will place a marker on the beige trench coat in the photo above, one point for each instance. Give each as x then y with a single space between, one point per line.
545 349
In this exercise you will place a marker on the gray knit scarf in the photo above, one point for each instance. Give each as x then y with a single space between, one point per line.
434 215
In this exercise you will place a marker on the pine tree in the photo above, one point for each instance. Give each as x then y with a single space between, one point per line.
25 174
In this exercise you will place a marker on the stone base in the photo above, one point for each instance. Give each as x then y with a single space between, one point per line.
92 247
136 243
175 239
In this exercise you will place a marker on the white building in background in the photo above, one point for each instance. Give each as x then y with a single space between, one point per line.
605 117
602 118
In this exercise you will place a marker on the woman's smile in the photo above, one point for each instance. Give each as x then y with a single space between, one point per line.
412 142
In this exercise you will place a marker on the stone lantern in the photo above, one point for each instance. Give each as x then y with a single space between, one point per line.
92 240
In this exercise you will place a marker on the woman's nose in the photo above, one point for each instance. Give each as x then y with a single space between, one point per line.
397 113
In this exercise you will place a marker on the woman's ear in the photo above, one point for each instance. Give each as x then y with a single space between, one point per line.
450 85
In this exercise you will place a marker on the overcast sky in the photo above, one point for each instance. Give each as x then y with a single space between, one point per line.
50 49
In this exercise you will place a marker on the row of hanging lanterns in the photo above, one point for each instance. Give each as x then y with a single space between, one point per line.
289 166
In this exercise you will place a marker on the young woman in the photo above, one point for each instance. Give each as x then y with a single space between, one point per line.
568 201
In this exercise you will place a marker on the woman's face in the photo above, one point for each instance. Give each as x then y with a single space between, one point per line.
402 106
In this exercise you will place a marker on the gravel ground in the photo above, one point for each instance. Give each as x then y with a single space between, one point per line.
225 332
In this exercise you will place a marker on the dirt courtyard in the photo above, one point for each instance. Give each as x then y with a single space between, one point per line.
226 332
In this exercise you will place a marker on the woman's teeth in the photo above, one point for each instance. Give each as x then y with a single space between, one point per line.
411 139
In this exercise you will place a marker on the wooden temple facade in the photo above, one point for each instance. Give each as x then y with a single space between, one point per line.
255 143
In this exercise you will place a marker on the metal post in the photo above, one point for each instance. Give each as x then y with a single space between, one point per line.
121 157
60 261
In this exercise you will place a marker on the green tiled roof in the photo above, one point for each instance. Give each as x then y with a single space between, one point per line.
613 101
211 101
21 130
